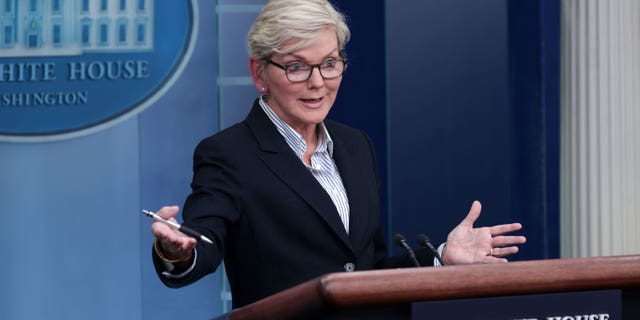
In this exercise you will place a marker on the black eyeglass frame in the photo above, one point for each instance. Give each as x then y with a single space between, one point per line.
311 66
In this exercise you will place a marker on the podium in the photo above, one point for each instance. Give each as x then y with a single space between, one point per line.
402 288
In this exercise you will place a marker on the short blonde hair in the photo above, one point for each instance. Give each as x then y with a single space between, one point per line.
282 21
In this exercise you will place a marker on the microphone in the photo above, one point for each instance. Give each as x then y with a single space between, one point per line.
401 241
424 242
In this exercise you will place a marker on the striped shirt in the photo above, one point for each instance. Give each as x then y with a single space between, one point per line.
323 168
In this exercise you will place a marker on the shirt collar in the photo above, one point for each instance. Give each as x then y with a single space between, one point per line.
293 138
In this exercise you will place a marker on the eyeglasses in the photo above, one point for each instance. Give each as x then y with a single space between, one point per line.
300 72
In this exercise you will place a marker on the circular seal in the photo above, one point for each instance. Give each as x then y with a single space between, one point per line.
76 67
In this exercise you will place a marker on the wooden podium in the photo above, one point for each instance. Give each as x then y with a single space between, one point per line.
396 287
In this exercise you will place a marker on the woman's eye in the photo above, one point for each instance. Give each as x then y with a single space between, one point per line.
296 67
329 63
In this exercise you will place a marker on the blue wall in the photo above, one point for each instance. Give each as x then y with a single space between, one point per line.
70 228
77 245
168 133
473 115
449 128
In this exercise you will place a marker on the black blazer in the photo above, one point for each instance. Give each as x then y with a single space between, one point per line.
271 220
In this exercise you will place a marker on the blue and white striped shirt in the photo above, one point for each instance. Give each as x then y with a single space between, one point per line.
322 167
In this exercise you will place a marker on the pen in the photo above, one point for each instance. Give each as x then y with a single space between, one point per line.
183 229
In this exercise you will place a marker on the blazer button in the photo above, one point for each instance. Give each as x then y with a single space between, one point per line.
349 267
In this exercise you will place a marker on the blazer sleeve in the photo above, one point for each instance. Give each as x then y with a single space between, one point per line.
210 208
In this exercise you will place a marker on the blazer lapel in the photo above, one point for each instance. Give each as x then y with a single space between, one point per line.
277 155
351 172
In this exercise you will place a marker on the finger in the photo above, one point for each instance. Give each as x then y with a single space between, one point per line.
184 243
504 229
473 215
161 230
164 232
178 238
169 235
503 241
503 252
168 212
177 241
180 249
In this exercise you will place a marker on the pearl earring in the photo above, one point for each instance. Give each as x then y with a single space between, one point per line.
263 88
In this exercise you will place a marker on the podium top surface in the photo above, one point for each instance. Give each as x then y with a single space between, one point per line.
400 286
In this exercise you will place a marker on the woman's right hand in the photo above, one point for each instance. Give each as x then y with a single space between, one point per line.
174 244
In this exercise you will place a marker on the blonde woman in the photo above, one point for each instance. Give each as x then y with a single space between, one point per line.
288 195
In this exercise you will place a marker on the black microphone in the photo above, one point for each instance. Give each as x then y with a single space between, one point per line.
401 241
424 242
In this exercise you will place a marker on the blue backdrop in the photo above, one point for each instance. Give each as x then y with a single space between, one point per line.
473 115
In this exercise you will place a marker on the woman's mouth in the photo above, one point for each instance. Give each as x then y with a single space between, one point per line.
313 103
312 100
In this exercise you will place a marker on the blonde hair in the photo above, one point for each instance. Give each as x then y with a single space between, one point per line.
282 21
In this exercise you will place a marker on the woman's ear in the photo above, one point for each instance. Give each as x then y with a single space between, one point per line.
257 69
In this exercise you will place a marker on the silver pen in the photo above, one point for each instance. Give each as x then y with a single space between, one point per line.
181 228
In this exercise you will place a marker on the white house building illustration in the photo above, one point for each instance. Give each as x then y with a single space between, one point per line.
73 27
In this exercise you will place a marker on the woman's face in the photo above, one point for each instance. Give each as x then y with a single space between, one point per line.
301 105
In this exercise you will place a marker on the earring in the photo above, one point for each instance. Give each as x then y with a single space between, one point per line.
263 89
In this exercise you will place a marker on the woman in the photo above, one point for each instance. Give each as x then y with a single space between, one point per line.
288 195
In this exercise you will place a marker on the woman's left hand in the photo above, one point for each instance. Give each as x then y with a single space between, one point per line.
467 245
